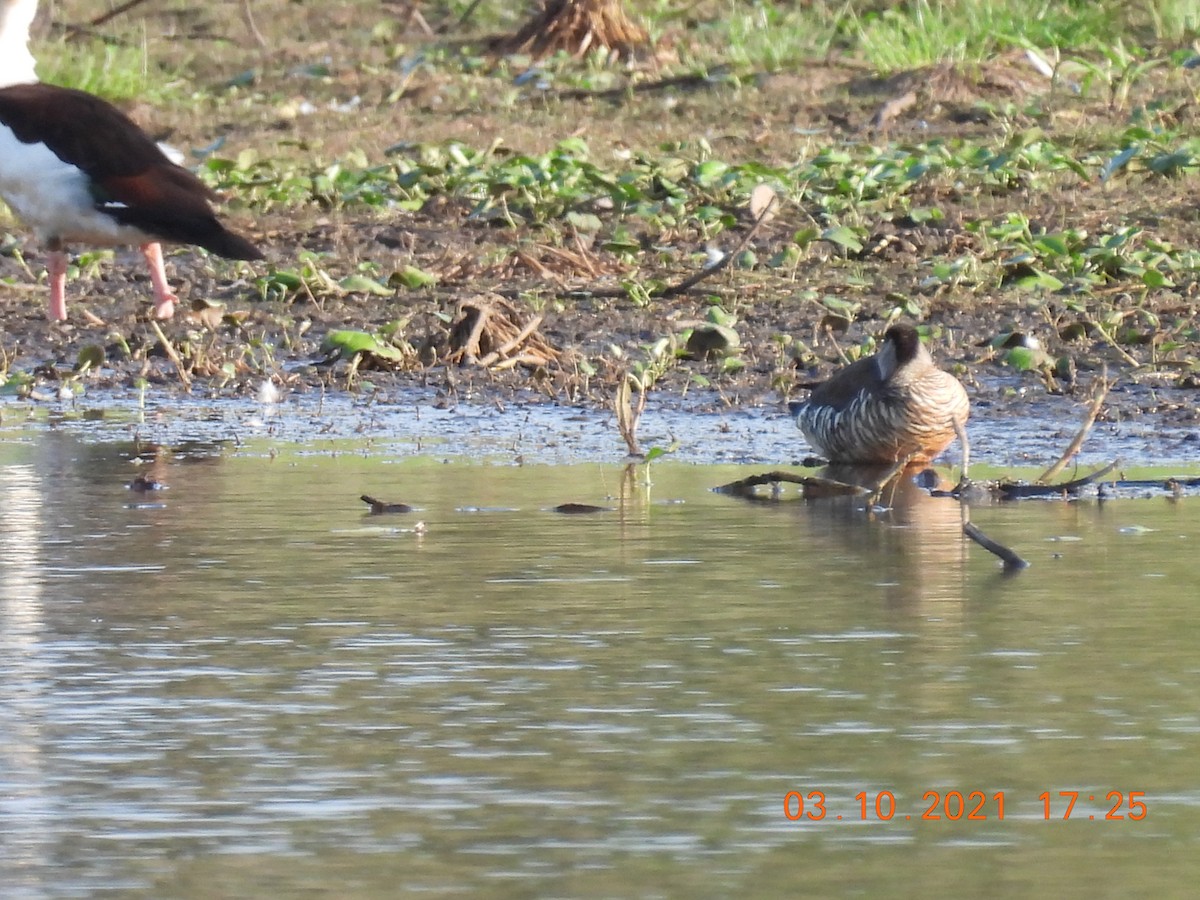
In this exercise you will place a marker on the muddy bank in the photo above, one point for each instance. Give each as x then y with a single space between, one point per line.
799 302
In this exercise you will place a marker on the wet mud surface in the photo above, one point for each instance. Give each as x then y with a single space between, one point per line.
412 422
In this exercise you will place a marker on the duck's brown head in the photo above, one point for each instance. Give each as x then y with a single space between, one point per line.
901 346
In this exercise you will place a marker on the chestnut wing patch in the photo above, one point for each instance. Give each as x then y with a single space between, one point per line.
166 201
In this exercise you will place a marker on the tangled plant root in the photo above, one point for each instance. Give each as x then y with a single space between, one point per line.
577 26
489 333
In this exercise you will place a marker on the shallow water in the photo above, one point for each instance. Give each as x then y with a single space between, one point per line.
243 685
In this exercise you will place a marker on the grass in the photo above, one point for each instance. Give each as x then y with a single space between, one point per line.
117 72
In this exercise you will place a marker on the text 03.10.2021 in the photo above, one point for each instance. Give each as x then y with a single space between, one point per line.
971 806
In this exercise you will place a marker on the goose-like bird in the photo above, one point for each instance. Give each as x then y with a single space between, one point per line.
78 170
886 407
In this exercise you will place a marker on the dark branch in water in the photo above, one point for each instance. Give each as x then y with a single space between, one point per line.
813 485
380 507
1012 562
1167 484
1022 491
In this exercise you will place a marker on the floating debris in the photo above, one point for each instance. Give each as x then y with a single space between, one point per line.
579 509
143 483
381 507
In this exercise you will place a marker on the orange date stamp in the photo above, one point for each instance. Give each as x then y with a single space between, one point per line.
955 806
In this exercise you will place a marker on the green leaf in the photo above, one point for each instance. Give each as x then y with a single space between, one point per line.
805 236
717 316
1025 359
361 284
1052 245
1170 163
844 237
1039 279
839 305
287 280
16 383
712 341
1155 279
412 278
350 343
588 223
710 171
1118 162
90 357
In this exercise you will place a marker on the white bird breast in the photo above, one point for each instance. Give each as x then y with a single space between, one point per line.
52 196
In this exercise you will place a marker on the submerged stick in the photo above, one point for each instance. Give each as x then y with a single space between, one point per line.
1012 562
1169 484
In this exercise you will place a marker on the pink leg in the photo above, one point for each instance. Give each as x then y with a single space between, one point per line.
164 300
56 268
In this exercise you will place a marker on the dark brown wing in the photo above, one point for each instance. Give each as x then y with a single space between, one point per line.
83 130
844 385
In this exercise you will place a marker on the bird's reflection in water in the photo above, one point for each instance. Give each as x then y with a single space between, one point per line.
907 548
900 538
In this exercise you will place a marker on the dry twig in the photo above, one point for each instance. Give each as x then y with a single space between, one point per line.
251 25
629 414
1080 436
173 356
692 280
105 18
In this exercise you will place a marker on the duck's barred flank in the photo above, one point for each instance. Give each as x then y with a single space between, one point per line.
887 426
884 409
